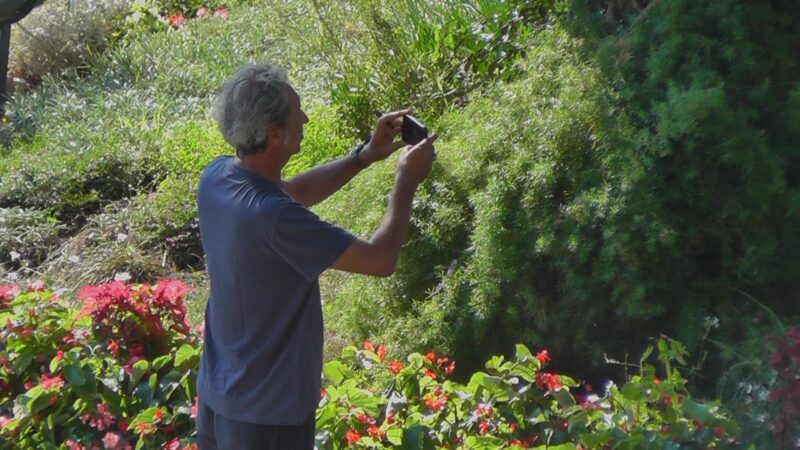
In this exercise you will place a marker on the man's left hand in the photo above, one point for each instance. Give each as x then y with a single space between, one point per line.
382 144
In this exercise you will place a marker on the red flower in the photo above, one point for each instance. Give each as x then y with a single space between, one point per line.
395 367
381 352
368 346
174 444
483 428
450 368
656 381
51 382
517 443
431 356
29 385
221 12
435 403
158 414
548 380
352 436
176 20
113 347
390 417
375 432
514 427
59 355
429 373
543 357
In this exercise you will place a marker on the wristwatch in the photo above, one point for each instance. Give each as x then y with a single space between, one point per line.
354 155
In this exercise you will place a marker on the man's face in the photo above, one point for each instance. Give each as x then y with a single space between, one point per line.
294 123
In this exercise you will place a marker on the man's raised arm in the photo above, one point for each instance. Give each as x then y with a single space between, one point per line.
319 183
378 256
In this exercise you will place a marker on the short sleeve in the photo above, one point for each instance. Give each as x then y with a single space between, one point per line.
307 243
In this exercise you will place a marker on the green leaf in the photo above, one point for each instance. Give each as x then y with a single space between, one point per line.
413 438
696 410
394 436
147 416
633 391
523 354
162 361
186 357
335 371
139 369
74 374
361 398
326 416
485 442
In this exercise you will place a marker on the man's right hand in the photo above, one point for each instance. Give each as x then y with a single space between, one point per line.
415 163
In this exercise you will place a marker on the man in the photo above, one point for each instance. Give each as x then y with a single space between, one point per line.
259 378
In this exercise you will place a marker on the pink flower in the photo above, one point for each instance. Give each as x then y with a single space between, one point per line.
176 20
202 12
193 409
113 441
51 382
4 420
221 12
174 444
73 445
8 291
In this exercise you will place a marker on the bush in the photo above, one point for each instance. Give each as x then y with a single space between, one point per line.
370 401
614 200
424 55
119 367
62 35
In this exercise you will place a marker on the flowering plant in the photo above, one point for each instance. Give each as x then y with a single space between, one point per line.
115 370
371 401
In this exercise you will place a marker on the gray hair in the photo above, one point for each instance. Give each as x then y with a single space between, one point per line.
249 103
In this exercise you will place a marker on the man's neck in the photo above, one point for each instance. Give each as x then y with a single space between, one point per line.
263 166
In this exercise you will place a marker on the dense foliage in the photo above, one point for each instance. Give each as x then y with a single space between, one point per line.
641 194
117 368
608 171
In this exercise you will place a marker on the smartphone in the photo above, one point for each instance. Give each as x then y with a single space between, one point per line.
413 131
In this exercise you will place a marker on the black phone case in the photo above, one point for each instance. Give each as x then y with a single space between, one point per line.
413 131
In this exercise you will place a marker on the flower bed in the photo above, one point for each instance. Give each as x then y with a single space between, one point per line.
116 368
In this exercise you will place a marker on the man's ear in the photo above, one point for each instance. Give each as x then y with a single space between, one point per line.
276 134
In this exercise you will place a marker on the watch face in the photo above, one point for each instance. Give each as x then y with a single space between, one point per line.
413 131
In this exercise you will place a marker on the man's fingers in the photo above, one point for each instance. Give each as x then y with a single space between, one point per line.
391 118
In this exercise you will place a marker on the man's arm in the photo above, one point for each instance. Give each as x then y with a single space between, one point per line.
319 183
378 256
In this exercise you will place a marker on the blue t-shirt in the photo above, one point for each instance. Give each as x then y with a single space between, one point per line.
262 355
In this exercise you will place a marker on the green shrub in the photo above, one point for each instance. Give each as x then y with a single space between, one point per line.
118 367
370 401
507 229
62 35
551 204
426 55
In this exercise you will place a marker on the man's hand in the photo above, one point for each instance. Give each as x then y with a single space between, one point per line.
382 144
415 163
